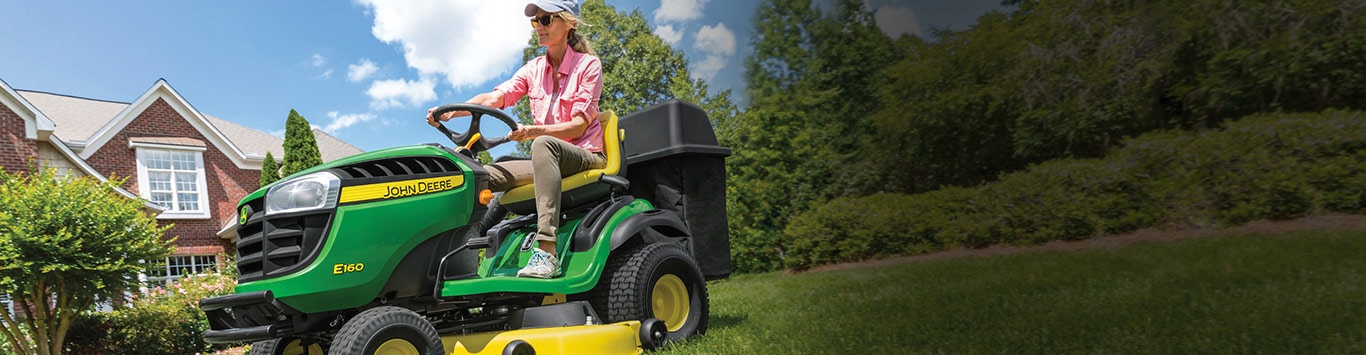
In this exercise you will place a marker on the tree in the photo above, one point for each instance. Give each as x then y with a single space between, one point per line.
947 117
850 55
66 243
301 147
269 171
812 82
764 177
639 70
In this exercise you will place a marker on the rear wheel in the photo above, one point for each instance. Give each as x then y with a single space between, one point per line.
285 346
658 280
387 331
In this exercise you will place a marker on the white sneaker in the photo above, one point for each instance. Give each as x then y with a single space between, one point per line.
542 265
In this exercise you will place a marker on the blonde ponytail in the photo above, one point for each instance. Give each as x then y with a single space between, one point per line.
577 40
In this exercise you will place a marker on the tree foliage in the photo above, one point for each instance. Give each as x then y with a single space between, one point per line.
1059 79
270 172
810 79
838 109
66 243
301 146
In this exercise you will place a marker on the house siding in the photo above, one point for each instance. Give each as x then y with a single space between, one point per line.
225 183
15 148
50 158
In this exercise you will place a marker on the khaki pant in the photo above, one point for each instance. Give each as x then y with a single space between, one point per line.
551 160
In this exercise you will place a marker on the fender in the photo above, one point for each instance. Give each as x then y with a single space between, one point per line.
596 220
663 222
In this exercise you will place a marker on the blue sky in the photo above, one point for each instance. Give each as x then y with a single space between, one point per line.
364 70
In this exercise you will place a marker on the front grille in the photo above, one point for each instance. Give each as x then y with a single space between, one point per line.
402 166
278 245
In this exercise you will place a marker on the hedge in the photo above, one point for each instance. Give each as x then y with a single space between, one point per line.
1271 166
159 320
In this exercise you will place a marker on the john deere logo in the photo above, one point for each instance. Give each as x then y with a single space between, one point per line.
242 217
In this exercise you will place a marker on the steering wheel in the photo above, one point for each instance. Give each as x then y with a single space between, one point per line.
471 139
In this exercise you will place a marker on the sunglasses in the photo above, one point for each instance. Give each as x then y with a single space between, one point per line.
544 20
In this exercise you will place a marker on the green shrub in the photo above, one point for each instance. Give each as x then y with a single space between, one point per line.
160 320
1273 166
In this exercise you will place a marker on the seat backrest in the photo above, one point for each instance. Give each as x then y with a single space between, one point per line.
612 138
582 187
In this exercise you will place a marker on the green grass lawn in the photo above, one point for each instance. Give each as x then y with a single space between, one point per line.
1290 293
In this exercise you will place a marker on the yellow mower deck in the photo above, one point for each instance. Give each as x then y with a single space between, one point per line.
605 339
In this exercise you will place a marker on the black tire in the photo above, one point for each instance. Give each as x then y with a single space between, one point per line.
628 285
519 347
382 326
653 334
285 346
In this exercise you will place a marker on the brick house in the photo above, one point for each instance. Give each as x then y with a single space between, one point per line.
189 168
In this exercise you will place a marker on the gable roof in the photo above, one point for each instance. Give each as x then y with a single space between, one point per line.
87 124
35 122
40 127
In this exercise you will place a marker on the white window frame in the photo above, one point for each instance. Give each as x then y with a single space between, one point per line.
166 268
172 211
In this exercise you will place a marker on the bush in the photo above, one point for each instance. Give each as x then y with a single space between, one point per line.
1272 166
160 320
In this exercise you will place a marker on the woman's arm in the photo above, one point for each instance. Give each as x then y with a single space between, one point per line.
567 131
490 99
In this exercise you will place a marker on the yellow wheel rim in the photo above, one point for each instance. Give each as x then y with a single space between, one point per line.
397 347
296 348
671 302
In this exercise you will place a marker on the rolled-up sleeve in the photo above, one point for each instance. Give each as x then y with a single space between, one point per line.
516 87
584 99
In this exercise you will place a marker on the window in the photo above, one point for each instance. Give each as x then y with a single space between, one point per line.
5 303
180 266
174 180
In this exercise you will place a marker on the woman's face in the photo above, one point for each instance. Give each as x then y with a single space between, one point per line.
554 34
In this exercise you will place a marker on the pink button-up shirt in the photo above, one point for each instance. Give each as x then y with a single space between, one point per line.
580 81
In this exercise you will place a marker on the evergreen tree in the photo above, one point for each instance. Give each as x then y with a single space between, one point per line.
270 172
811 81
301 147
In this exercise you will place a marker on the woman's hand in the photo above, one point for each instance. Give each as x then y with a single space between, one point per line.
432 121
525 132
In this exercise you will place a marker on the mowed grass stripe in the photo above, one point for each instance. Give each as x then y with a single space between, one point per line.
1289 293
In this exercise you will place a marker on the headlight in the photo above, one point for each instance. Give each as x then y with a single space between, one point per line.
308 192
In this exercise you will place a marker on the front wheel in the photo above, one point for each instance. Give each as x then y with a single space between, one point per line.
387 331
285 346
658 280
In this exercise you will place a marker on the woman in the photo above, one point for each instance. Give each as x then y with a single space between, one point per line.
563 87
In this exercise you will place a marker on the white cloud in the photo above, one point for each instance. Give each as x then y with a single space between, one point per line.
716 39
679 10
718 42
707 68
320 62
360 71
466 42
401 93
668 34
340 121
895 20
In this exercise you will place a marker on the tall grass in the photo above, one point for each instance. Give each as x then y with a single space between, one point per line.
1291 293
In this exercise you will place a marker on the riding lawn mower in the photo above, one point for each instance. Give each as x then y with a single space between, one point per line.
405 251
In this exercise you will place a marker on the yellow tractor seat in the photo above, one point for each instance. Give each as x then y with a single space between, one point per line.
583 187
